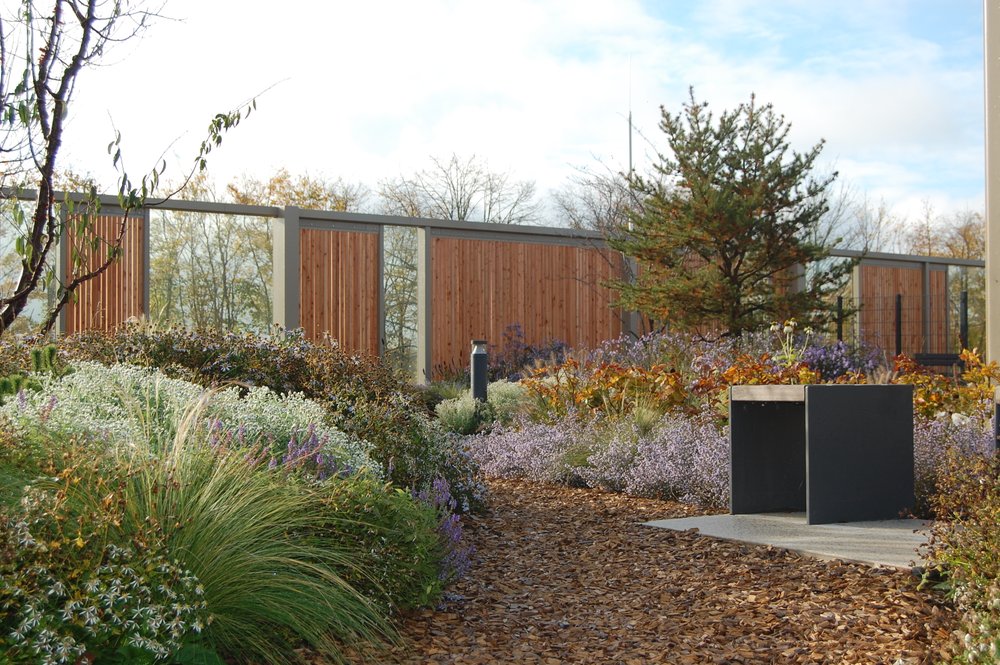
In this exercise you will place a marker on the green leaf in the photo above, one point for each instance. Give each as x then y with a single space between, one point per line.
197 654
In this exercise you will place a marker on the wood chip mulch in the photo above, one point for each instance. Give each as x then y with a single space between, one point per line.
567 575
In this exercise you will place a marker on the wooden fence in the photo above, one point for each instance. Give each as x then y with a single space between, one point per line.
473 280
340 287
905 303
120 292
553 291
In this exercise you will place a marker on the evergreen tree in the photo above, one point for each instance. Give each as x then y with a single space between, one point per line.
724 232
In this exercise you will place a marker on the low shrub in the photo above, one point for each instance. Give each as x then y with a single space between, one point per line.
135 406
401 561
464 415
71 588
713 382
363 398
970 394
669 349
284 361
508 360
15 354
965 550
457 554
606 389
935 440
681 458
413 450
516 357
533 451
508 400
833 361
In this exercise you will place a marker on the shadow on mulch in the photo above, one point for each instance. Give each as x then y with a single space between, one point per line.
571 576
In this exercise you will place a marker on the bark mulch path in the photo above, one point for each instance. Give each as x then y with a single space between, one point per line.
570 576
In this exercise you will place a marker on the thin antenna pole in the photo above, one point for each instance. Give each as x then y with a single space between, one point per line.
630 116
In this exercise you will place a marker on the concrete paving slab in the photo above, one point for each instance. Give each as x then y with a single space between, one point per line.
892 543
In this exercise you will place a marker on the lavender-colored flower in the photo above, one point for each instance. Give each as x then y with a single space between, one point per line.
934 437
458 554
682 457
835 360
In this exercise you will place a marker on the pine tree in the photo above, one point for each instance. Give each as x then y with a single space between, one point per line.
724 230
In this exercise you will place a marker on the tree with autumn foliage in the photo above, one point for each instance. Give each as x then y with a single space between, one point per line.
725 226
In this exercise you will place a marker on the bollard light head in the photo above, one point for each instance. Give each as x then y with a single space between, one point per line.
479 346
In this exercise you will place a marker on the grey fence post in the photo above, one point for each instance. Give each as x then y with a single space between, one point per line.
963 320
425 296
286 266
146 220
381 292
840 318
899 324
479 370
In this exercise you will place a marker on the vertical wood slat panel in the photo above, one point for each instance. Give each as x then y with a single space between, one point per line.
879 287
339 288
116 295
554 292
939 342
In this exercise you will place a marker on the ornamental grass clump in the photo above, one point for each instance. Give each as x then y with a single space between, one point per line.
464 415
260 545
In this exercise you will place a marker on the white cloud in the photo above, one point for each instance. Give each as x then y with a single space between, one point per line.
370 90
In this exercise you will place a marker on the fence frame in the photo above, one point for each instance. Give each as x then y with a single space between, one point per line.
926 264
287 223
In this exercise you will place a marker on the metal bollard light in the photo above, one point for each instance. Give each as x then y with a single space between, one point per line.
479 369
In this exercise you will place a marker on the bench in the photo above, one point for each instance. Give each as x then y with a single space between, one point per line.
840 453
939 360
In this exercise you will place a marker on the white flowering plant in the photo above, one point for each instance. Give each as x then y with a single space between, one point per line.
68 591
792 344
135 408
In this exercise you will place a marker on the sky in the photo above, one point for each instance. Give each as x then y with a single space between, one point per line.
367 91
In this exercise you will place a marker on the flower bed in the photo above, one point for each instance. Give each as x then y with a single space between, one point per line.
145 517
648 417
